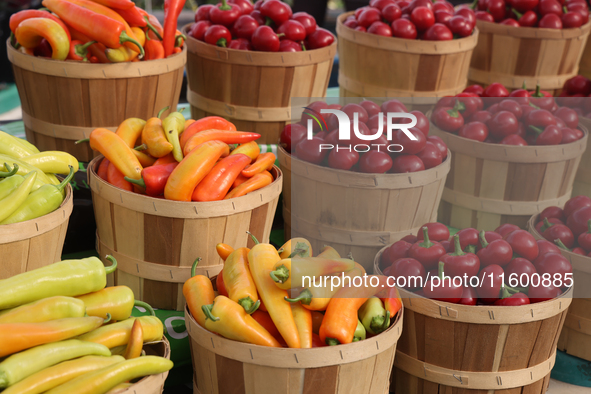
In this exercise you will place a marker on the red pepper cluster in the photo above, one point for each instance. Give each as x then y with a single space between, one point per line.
568 227
546 14
268 25
352 155
497 258
518 118
573 95
415 19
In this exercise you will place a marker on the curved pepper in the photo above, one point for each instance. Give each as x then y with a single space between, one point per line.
374 317
392 302
117 179
154 138
174 125
360 332
229 137
238 280
198 291
50 308
255 183
105 379
136 341
144 159
263 163
79 50
328 252
18 17
24 169
116 151
61 373
130 130
21 365
41 202
216 184
11 203
10 146
132 16
194 167
54 162
295 247
154 50
30 32
262 258
228 319
207 123
289 273
9 184
118 301
97 50
154 178
303 321
223 250
65 278
118 334
125 54
250 149
172 11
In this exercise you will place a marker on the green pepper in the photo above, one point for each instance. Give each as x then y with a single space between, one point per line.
359 332
41 202
68 278
173 125
374 316
8 185
12 202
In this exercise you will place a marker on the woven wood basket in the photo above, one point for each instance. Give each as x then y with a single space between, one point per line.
582 184
585 63
355 212
514 55
451 348
155 241
223 366
374 66
493 184
253 89
575 338
64 101
35 243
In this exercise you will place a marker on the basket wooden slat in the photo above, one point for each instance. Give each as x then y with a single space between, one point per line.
254 89
514 55
223 366
64 101
575 338
375 66
35 243
492 184
447 348
156 241
354 212
582 184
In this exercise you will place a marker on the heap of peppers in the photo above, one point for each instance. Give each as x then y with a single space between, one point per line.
28 186
182 160
253 303
55 337
97 31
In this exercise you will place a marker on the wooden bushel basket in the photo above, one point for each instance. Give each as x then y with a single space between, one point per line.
35 243
582 184
355 212
153 384
374 66
576 334
156 241
447 348
63 101
514 55
253 89
493 184
224 366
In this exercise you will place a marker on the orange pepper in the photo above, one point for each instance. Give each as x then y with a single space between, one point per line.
144 159
136 341
238 280
117 151
97 50
224 250
207 123
154 50
317 318
30 32
263 163
192 169
250 149
265 320
229 137
130 130
189 122
102 171
168 159
220 285
216 184
256 182
393 302
117 179
198 291
303 321
240 179
155 139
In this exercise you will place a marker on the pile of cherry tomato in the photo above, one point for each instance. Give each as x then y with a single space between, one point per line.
511 266
267 25
520 118
415 19
569 227
424 153
547 14
573 95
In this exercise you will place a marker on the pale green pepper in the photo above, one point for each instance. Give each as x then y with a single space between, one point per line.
12 202
360 333
174 124
374 316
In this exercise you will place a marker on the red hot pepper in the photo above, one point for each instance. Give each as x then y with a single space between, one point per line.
79 50
561 232
20 16
575 203
523 244
585 238
437 232
398 250
505 229
551 135
469 296
154 178
552 212
448 119
443 289
133 17
460 263
491 281
225 14
469 239
512 300
427 252
497 252
172 10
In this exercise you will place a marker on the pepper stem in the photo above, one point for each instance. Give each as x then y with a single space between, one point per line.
440 269
81 141
225 6
426 242
536 129
66 180
504 292
249 305
380 323
141 147
222 42
334 342
146 306
162 111
561 244
524 86
207 312
124 37
305 297
82 50
457 247
482 237
151 27
178 41
519 15
140 182
301 249
280 275
194 266
254 239
537 93
10 172
113 266
546 225
107 319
